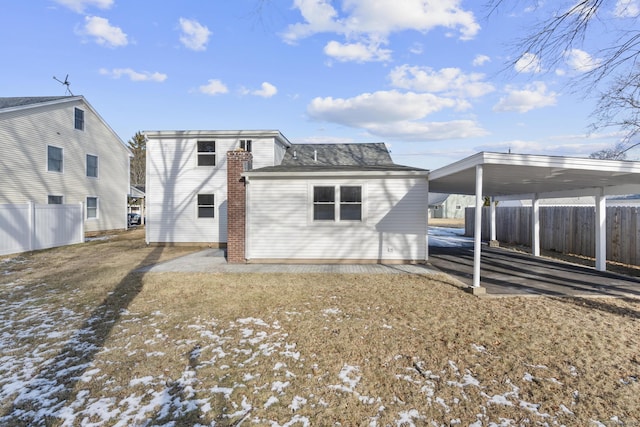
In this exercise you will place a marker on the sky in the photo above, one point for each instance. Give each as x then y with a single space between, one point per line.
437 80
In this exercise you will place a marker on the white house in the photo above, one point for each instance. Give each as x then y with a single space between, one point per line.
450 206
268 200
58 150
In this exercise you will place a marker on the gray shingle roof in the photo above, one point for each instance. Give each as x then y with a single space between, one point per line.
337 155
19 101
370 157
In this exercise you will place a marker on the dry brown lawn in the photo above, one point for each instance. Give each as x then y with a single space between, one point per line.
84 340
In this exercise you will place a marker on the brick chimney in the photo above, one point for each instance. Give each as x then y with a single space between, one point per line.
237 162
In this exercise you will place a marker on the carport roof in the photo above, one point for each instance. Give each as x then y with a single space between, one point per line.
547 176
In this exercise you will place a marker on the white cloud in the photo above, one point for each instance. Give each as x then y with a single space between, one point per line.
195 36
580 61
528 63
134 76
367 23
357 52
104 33
531 97
480 60
377 107
449 81
214 87
627 9
267 90
428 131
79 6
392 114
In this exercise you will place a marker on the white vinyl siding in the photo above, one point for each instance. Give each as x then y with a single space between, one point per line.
393 226
25 179
174 181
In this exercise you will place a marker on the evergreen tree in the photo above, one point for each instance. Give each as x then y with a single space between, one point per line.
138 146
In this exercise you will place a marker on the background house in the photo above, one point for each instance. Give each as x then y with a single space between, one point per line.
450 206
283 201
58 150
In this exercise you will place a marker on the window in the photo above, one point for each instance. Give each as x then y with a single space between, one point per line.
206 206
54 158
350 203
206 153
245 144
92 207
92 166
341 203
54 200
324 202
79 119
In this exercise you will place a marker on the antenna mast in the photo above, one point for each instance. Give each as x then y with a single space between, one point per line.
64 83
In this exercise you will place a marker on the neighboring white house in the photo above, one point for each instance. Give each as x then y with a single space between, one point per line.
450 206
58 150
302 202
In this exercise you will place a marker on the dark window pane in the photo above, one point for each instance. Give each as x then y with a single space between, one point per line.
92 207
323 212
54 159
206 212
206 146
350 212
92 166
324 194
206 160
351 194
206 199
79 119
55 200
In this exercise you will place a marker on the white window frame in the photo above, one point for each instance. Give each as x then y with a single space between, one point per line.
77 121
205 154
61 159
87 166
97 208
198 206
337 204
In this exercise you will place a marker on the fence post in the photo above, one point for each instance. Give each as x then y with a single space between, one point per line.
81 222
32 224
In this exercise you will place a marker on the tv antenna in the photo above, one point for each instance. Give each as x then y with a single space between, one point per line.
65 83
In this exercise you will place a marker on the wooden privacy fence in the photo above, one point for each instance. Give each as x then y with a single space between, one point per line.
27 227
566 229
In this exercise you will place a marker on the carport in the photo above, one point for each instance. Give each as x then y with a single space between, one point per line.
502 176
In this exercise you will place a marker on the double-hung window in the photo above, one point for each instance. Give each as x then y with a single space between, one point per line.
206 206
54 158
92 166
350 203
92 207
206 153
337 203
78 119
324 203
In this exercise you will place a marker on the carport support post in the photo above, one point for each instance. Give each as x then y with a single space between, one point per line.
601 231
477 232
492 220
535 225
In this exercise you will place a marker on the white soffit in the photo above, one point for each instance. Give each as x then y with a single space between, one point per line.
522 174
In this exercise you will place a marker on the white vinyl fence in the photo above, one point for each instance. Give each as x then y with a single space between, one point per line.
28 227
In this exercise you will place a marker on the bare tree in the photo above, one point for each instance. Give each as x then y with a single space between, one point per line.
614 79
138 145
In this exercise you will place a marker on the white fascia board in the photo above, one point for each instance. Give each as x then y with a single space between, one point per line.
337 174
459 166
171 134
